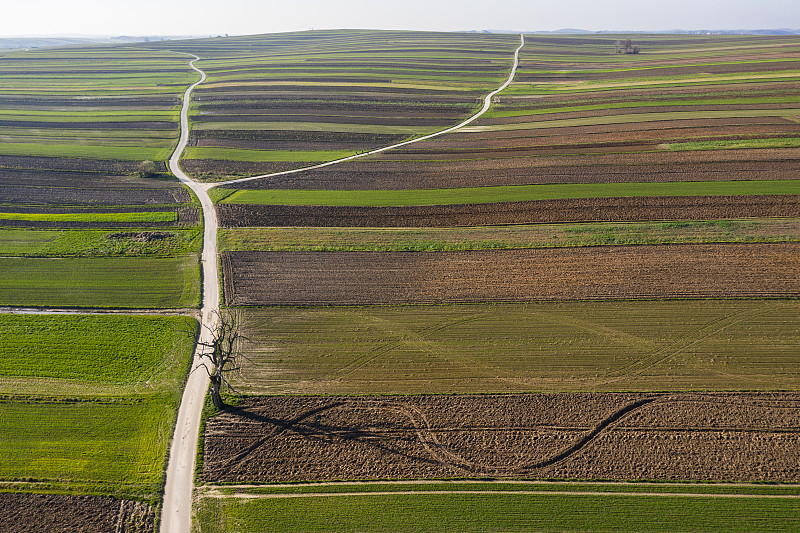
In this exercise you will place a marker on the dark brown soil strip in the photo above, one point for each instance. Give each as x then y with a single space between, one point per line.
681 436
36 513
586 273
542 211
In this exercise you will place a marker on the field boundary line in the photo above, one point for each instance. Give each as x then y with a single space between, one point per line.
11 310
487 102
246 486
245 496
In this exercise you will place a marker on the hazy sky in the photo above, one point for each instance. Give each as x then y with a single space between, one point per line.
237 17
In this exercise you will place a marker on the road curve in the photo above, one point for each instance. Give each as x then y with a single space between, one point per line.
487 103
176 513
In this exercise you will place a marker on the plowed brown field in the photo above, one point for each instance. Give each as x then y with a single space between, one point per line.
687 436
36 513
612 272
625 209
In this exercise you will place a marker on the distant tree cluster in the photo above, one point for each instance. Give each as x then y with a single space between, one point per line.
626 47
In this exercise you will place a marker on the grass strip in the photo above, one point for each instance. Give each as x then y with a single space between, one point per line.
505 237
497 512
143 217
511 193
788 142
121 153
98 242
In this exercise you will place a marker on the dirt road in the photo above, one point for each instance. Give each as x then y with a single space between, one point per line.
176 515
177 510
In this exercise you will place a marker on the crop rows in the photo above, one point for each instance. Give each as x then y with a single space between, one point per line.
620 345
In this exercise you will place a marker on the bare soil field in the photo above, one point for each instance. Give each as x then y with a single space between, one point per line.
27 187
34 513
666 436
570 210
399 175
66 163
587 273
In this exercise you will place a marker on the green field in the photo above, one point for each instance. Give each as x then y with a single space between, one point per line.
124 282
505 237
94 242
465 508
514 193
534 347
116 447
110 218
69 354
87 402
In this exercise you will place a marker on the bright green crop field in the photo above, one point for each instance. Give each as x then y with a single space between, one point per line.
111 218
90 242
572 509
513 193
87 402
57 354
117 447
124 282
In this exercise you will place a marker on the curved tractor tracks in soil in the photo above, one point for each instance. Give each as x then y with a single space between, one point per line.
177 508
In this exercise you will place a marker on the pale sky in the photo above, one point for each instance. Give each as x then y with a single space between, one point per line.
240 17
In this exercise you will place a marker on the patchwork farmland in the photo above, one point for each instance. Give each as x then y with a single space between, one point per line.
578 311
90 400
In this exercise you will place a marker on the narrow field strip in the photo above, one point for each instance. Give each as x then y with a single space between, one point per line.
513 193
498 512
542 274
249 496
505 237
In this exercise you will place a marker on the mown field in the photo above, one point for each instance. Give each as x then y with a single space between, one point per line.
283 101
547 347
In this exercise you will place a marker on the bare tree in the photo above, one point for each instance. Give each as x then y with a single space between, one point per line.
221 355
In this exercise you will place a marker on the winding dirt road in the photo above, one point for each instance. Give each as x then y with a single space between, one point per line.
176 512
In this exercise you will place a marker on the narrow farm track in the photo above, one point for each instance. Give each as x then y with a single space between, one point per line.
487 103
176 514
177 508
